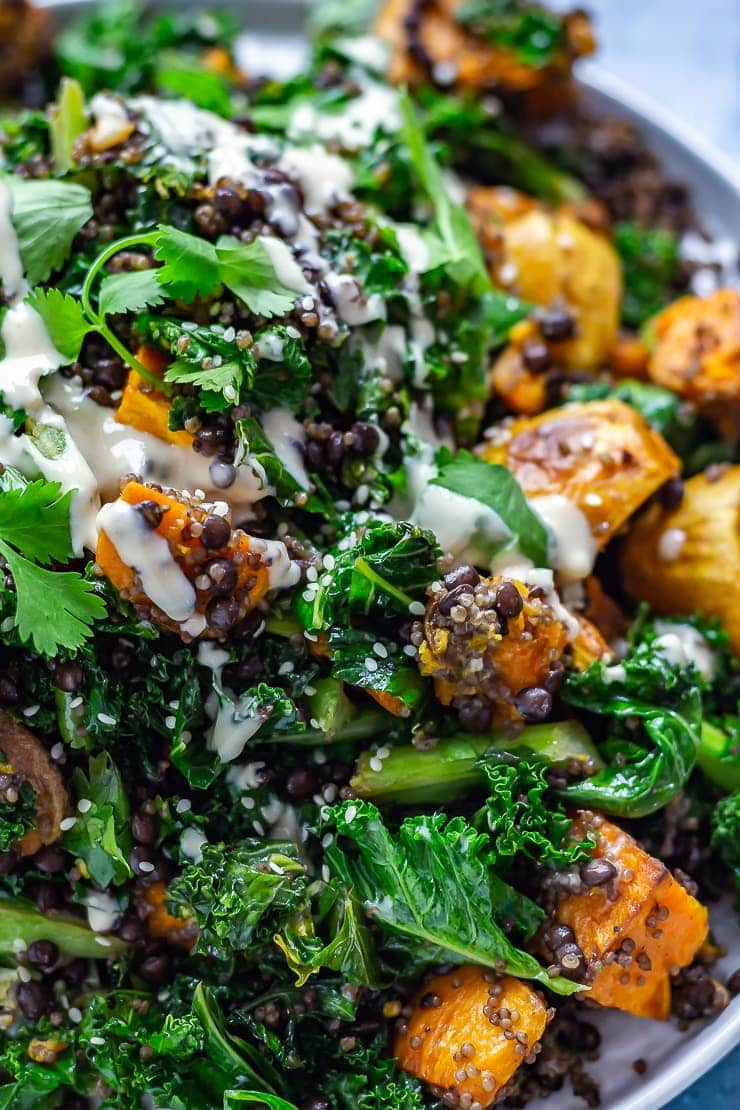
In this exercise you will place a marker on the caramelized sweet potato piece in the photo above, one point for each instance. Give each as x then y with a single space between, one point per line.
599 455
553 259
687 559
436 42
456 1043
27 756
143 408
634 930
697 353
161 924
588 646
485 664
226 580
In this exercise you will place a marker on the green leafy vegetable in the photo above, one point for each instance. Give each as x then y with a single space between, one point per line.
650 266
348 951
429 886
34 528
496 488
101 836
130 292
68 122
46 216
64 320
21 920
18 817
535 35
726 833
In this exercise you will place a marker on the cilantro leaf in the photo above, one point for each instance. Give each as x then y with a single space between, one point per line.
54 609
101 836
130 292
429 886
35 519
46 216
457 247
64 319
248 271
191 267
496 488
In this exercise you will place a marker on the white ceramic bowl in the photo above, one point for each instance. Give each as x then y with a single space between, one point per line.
674 1059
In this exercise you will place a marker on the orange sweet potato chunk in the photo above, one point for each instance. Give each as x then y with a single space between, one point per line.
253 576
638 931
601 455
145 408
454 1046
161 924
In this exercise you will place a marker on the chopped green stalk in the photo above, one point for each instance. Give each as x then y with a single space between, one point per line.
529 170
69 719
719 757
330 707
409 776
21 921
68 121
362 726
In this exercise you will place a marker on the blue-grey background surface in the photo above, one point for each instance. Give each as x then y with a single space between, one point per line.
685 54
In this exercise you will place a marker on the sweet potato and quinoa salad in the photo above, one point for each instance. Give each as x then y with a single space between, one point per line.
369 566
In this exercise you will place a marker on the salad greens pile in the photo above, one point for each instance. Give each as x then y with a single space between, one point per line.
273 829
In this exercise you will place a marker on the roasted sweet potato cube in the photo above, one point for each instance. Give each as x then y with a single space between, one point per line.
453 1040
241 570
687 559
634 930
145 408
599 455
161 924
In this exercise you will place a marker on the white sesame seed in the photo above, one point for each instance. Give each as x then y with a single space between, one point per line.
183 805
309 691
314 723
327 840
384 752
24 974
380 650
104 942
325 873
84 805
258 828
67 823
409 649
308 595
74 1014
329 562
312 574
75 703
170 721
350 813
31 710
146 866
370 664
106 719
376 764
247 801
96 1040
286 668
57 750
416 608
329 792
319 756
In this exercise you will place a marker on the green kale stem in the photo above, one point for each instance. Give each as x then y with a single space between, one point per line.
718 757
408 776
98 322
20 920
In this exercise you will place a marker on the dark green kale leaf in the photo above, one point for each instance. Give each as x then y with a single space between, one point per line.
522 817
650 266
369 1080
363 659
378 567
333 936
101 835
19 816
239 896
726 834
535 35
429 888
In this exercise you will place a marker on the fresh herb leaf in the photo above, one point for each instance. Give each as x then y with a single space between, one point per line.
248 271
64 320
35 518
46 216
191 267
430 886
130 292
187 76
726 834
650 260
458 249
532 33
496 488
54 609
101 835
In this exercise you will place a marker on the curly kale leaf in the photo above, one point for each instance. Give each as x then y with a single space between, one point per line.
373 663
379 567
16 817
429 888
521 817
370 1080
348 949
239 896
650 260
726 834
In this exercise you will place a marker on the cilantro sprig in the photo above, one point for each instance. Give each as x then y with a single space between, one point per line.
53 609
191 267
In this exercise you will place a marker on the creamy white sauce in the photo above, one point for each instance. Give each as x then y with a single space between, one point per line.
11 264
617 673
103 911
462 525
234 724
387 354
287 270
142 548
414 249
323 178
353 305
572 547
29 354
365 50
682 644
246 776
671 544
282 574
287 437
515 565
192 843
111 120
113 450
355 126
